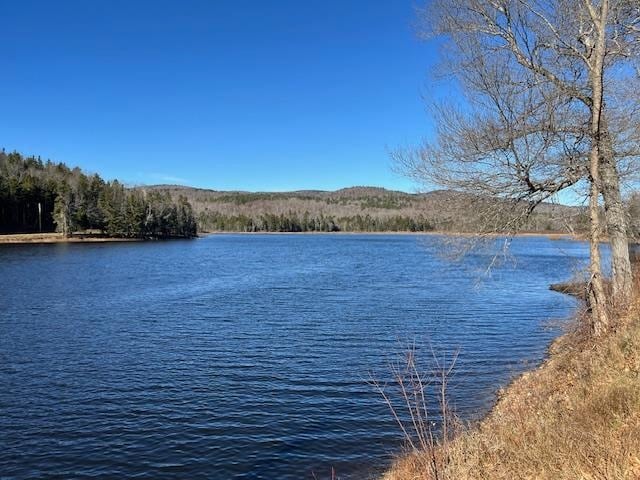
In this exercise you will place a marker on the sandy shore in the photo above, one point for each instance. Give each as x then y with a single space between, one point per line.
21 238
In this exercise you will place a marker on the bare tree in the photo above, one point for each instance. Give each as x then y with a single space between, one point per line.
543 112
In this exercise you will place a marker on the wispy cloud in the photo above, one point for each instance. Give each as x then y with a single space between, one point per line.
165 178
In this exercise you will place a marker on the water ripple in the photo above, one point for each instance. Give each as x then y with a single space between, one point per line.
248 357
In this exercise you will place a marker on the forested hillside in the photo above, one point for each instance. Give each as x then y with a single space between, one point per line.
360 209
37 196
45 196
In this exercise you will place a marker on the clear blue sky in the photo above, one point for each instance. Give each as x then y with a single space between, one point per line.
224 94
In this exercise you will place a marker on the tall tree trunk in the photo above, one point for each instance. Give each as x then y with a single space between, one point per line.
621 275
597 297
600 320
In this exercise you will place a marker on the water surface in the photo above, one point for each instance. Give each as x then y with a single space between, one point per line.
248 356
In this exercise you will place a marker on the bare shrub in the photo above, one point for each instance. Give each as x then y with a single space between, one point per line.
417 399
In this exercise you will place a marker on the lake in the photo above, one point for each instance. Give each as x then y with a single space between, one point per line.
248 356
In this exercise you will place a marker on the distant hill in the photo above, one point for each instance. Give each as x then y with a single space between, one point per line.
358 208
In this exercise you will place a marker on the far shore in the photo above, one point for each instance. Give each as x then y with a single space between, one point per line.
38 238
550 235
26 238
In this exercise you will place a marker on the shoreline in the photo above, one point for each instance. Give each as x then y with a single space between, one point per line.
550 235
42 238
551 421
46 238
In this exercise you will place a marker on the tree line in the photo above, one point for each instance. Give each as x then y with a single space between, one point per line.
37 196
292 222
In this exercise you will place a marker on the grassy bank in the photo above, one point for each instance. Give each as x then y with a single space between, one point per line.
575 417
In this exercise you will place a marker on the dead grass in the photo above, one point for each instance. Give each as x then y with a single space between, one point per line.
576 417
21 238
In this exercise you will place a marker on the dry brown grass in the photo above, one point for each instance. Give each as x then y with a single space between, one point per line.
576 417
19 238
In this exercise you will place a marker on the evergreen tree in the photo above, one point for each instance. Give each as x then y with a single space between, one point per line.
37 196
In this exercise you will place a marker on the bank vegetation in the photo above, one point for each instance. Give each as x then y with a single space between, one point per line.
575 417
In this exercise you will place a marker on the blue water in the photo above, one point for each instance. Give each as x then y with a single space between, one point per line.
248 357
